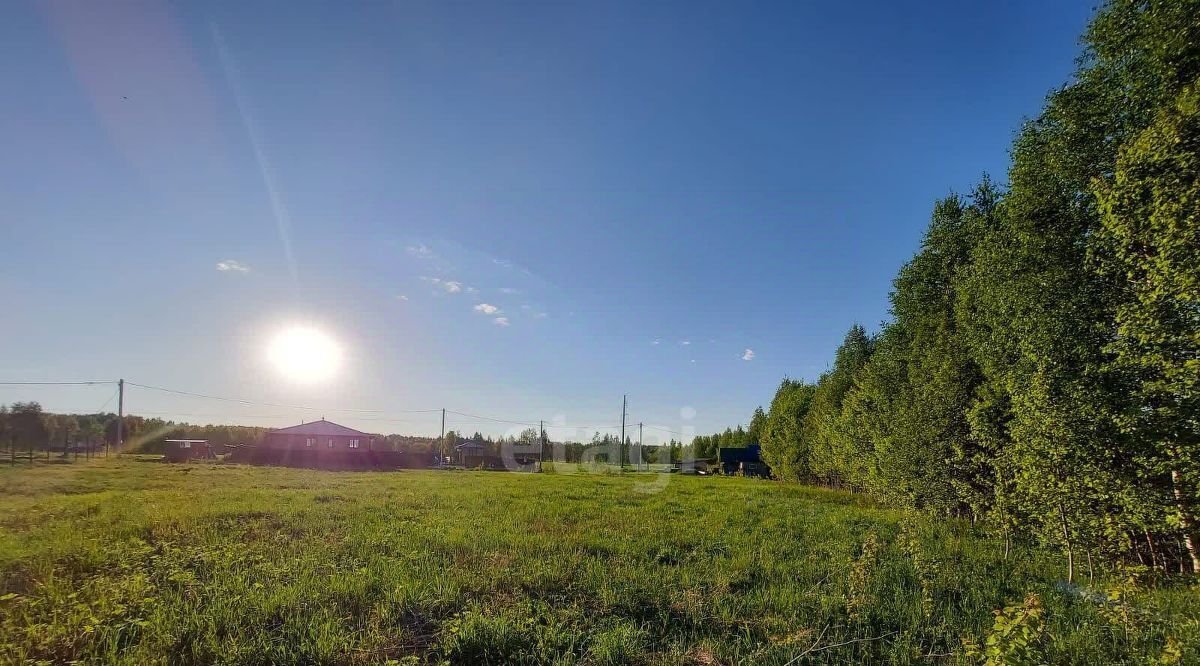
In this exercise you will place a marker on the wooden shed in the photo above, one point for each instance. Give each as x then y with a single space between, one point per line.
178 450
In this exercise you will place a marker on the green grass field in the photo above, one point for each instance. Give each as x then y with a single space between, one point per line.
132 561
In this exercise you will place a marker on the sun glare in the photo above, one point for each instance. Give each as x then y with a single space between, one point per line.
304 354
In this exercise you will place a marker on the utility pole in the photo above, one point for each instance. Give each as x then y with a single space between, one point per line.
621 448
442 439
120 413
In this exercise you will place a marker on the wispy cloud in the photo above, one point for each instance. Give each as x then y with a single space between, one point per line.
419 250
532 311
508 290
506 264
231 266
501 321
487 308
401 297
656 341
451 286
685 342
748 355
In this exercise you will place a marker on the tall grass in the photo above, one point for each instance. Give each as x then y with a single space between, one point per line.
122 561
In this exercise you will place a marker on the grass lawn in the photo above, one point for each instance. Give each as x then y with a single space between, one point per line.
130 561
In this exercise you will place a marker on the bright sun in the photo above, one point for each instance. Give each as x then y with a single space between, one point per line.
304 354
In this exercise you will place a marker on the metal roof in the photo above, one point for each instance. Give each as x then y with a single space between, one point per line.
751 453
320 428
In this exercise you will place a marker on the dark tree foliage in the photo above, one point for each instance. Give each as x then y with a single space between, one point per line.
782 445
25 425
707 447
1148 245
827 443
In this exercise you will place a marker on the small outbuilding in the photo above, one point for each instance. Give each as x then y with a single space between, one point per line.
744 461
693 466
472 454
178 450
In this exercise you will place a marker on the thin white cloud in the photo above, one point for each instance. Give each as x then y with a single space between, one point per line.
501 321
451 286
532 311
685 342
655 341
506 264
231 266
472 290
487 308
401 297
748 355
419 250
508 290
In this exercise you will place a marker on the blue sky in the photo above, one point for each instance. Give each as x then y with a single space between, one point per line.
639 192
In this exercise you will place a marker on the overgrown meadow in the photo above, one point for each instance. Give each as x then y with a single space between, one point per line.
133 561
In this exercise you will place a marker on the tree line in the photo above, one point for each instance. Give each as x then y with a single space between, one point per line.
602 447
25 425
708 447
1040 369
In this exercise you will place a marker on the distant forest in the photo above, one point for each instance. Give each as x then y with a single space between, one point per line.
26 426
1040 370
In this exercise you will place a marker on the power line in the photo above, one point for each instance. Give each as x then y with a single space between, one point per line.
243 401
673 432
216 414
548 426
92 383
261 416
109 401
380 412
488 418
